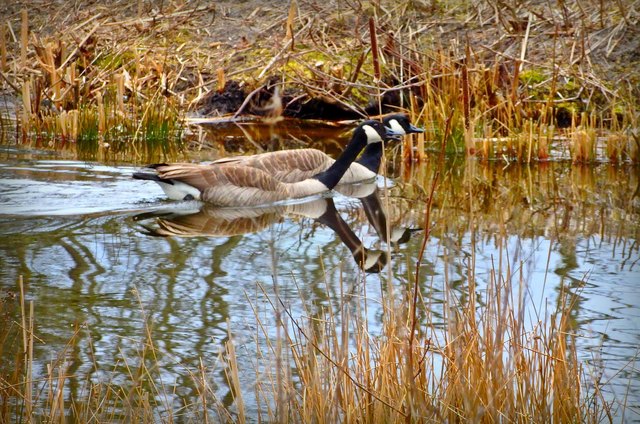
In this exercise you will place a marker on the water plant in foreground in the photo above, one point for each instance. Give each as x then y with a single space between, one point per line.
490 361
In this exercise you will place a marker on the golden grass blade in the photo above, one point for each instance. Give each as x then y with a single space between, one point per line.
24 37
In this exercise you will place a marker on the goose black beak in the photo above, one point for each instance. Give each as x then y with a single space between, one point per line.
392 134
414 129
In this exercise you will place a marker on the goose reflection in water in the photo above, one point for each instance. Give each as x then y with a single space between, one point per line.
204 220
369 196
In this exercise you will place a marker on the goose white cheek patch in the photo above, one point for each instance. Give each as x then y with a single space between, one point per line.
395 125
372 135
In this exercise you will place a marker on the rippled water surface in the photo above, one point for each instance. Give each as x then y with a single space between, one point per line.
106 260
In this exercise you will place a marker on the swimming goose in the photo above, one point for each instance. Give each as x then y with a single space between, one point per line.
290 166
237 185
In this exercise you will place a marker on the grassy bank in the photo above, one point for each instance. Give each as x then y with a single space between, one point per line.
516 82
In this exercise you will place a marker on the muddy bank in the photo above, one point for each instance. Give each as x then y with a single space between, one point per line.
271 100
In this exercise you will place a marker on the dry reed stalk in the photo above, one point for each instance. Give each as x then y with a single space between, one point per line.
74 115
101 114
63 125
466 102
56 393
26 100
375 53
221 80
407 144
293 8
633 151
530 139
119 81
24 37
26 109
545 138
233 375
3 47
27 319
50 67
565 383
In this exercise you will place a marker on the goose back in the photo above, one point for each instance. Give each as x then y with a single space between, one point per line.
285 165
290 166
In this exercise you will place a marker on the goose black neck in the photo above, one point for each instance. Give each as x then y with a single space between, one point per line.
377 218
332 176
371 157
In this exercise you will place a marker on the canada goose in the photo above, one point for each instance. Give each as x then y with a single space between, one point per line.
290 166
210 221
237 185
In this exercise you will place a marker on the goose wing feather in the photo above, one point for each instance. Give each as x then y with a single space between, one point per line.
288 166
228 185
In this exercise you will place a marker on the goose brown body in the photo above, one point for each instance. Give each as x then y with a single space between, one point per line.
300 164
236 186
291 166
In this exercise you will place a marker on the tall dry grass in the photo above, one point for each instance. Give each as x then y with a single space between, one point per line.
521 83
491 362
489 357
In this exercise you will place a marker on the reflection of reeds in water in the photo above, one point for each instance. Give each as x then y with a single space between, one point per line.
547 199
486 364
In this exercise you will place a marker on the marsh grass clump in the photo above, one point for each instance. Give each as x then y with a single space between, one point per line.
497 76
487 363
90 86
583 141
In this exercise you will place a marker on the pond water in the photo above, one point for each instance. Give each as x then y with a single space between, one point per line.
108 263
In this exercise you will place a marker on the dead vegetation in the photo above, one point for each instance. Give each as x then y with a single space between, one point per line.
510 73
